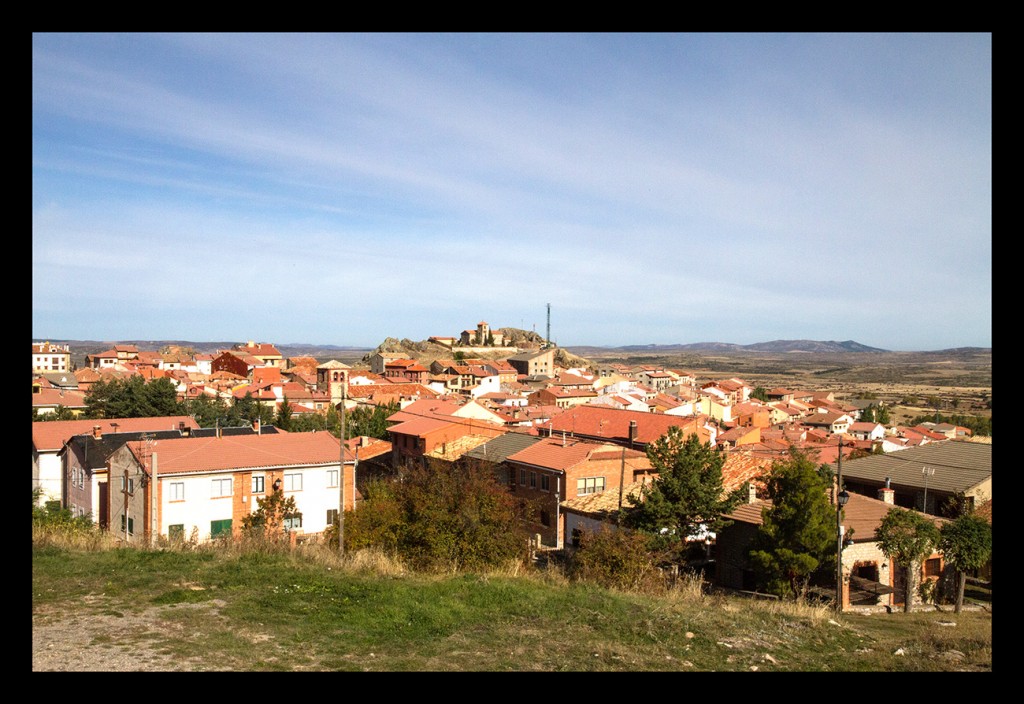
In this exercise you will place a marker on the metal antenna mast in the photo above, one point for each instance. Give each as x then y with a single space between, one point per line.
548 340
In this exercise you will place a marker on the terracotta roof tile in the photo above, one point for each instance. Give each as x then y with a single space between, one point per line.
245 452
51 435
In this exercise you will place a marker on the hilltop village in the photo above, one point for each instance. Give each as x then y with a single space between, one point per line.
570 438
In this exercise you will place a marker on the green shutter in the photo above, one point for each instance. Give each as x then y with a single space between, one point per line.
219 528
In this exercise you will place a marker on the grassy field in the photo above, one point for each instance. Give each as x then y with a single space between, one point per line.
310 610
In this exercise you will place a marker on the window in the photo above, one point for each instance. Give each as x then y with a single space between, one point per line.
332 478
293 482
589 485
220 528
522 477
131 525
545 519
221 487
933 567
177 491
332 516
176 532
293 523
258 483
545 482
131 484
533 480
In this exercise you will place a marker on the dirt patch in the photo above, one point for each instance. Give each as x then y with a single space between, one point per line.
98 638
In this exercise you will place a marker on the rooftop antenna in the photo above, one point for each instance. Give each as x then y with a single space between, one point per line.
548 339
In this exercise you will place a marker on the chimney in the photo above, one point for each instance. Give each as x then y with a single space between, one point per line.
256 426
96 432
632 433
886 494
751 493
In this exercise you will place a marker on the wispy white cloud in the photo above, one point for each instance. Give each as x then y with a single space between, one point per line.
680 187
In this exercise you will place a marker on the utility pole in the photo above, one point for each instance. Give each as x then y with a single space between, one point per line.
841 498
839 529
154 503
341 472
622 480
126 495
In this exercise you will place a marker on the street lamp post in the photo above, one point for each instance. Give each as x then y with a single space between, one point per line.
841 498
926 472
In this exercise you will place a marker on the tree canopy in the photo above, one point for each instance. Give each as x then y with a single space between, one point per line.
907 537
687 497
440 517
133 397
798 533
966 544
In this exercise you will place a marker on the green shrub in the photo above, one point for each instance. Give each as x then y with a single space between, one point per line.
615 559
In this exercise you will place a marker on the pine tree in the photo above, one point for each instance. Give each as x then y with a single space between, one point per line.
687 497
798 534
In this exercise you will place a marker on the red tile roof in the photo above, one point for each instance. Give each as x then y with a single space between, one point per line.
556 453
262 349
861 516
51 435
182 455
595 420
50 396
403 389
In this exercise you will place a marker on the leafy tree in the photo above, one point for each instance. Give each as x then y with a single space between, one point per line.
441 517
687 497
332 420
59 413
248 410
490 339
284 414
205 409
306 423
907 537
52 515
979 425
867 415
460 356
614 559
966 543
371 421
760 393
956 505
882 415
271 512
798 534
132 398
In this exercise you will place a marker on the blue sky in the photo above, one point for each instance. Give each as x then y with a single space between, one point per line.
653 188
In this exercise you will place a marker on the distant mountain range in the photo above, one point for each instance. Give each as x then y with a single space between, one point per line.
314 350
775 346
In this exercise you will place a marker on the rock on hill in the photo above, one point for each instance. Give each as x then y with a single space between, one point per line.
426 351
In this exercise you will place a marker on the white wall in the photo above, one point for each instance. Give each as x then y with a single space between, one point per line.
48 475
199 507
